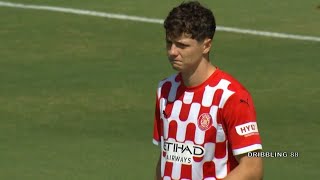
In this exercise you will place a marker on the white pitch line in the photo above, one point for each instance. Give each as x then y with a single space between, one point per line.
153 20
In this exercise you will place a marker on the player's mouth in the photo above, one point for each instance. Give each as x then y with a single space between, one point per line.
174 60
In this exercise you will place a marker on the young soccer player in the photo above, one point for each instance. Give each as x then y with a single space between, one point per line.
205 120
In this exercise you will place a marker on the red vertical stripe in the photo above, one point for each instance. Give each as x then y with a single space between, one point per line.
191 130
185 110
217 97
209 169
168 169
210 135
221 149
165 89
172 129
186 171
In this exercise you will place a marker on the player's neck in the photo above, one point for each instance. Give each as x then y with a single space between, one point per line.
198 75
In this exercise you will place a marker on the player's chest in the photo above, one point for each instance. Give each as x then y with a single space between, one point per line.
185 113
193 122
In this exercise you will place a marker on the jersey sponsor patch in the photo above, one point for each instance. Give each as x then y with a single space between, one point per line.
247 129
204 121
181 152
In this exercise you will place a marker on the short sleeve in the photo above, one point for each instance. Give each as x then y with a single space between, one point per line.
240 119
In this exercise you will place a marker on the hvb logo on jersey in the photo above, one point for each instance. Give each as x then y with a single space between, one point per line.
247 129
205 121
182 152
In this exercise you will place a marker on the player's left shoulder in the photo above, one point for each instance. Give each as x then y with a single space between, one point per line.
240 92
234 82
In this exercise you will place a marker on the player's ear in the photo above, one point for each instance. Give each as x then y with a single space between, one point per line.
206 45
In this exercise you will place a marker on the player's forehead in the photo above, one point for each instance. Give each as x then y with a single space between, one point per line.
183 38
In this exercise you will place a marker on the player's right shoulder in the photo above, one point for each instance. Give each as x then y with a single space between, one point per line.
171 79
166 85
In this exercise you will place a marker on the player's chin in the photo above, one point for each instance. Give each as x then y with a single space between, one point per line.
175 63
176 67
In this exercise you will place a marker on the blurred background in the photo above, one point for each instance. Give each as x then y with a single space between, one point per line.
77 92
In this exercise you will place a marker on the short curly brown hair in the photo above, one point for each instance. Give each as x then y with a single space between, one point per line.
191 18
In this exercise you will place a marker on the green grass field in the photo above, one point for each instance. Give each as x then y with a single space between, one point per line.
77 92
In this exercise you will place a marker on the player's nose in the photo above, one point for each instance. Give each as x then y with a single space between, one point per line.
172 50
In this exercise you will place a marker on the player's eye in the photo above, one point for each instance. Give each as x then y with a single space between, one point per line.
181 45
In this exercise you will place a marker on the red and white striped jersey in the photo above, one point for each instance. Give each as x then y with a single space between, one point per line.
200 129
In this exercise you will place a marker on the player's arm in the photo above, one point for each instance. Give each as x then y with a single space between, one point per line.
158 169
249 168
243 136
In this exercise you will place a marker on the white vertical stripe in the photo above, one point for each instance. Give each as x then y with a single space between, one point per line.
223 84
209 154
199 138
194 113
176 110
221 136
176 170
181 131
197 170
173 91
187 98
162 104
213 113
221 166
208 96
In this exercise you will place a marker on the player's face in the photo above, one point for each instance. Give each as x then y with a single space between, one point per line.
185 53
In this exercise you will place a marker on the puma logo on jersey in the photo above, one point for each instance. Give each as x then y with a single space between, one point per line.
244 101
